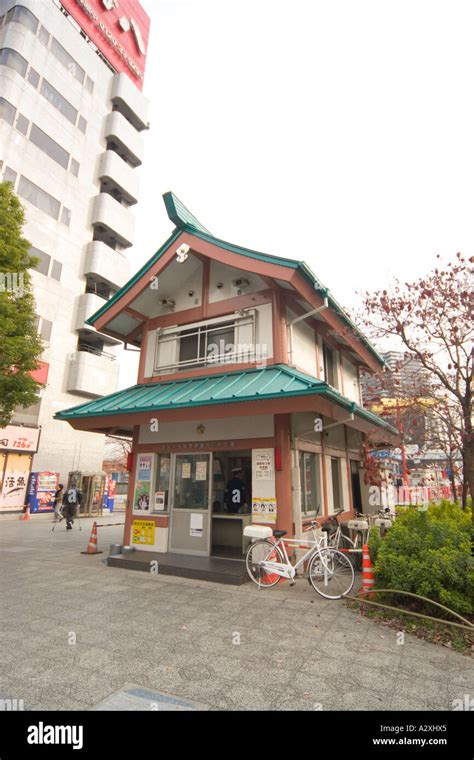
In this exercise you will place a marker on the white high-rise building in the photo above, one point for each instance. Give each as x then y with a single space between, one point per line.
71 121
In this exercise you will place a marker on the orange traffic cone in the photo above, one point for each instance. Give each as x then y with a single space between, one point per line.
92 545
26 514
368 579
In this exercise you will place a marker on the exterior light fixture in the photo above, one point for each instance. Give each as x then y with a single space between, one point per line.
182 253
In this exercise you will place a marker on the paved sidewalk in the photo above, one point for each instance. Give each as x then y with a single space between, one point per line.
223 647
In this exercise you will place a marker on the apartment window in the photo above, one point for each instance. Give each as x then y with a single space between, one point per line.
65 216
9 175
310 483
45 329
33 77
13 60
67 61
89 85
7 111
44 36
38 197
44 260
23 16
330 369
74 167
22 124
206 344
49 146
57 100
56 270
82 124
336 484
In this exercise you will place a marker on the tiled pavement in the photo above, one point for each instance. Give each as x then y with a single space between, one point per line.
181 637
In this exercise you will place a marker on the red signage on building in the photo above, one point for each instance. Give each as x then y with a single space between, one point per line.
40 374
119 28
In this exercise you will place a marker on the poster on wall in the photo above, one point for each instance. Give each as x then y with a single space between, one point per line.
160 501
264 510
142 496
263 464
143 532
186 470
15 482
195 526
201 470
144 467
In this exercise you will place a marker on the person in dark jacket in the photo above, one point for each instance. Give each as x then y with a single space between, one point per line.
71 501
236 492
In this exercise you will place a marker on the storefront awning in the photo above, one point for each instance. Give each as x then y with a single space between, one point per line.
278 382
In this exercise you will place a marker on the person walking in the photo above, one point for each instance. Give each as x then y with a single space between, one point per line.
71 501
58 497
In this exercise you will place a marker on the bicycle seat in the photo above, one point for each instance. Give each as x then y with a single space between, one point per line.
279 533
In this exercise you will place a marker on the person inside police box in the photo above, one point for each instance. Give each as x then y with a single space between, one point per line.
235 496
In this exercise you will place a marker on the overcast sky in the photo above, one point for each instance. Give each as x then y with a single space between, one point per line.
338 132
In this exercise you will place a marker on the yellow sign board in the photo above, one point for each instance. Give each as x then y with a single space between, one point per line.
143 532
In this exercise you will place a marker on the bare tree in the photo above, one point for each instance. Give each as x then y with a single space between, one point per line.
432 319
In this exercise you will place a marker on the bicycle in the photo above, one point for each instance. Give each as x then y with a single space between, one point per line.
330 572
344 543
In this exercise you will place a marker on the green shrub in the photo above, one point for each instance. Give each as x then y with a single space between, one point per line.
429 553
375 540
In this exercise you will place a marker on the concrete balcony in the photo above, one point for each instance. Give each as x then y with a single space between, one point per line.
105 264
129 101
111 215
129 142
87 305
117 175
90 374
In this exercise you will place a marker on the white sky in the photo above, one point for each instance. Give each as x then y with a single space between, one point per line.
338 132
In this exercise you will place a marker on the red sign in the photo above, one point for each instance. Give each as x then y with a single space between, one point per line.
40 374
119 28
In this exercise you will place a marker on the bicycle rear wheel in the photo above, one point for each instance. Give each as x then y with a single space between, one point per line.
256 554
331 573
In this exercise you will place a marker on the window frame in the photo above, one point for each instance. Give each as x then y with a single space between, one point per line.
202 330
316 482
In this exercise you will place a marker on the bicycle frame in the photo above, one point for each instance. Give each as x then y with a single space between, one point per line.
288 570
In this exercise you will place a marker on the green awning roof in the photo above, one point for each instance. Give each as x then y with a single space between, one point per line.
274 381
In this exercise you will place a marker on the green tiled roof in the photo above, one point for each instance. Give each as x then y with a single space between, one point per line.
274 381
180 215
187 222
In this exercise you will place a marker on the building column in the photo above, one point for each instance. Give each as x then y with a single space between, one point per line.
283 490
131 490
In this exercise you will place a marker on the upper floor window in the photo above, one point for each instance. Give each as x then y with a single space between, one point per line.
204 344
58 101
13 60
67 61
330 366
23 16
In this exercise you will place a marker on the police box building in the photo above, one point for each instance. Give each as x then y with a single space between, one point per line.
247 406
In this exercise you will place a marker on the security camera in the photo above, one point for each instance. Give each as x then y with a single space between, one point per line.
167 302
182 252
241 282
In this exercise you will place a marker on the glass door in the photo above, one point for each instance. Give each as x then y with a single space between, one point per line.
190 499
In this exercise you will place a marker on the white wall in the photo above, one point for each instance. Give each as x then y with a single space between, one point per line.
215 430
303 344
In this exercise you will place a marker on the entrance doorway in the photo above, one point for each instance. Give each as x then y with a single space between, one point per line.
190 504
355 486
231 502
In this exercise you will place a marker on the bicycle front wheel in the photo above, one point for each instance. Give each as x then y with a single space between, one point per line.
331 573
257 553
